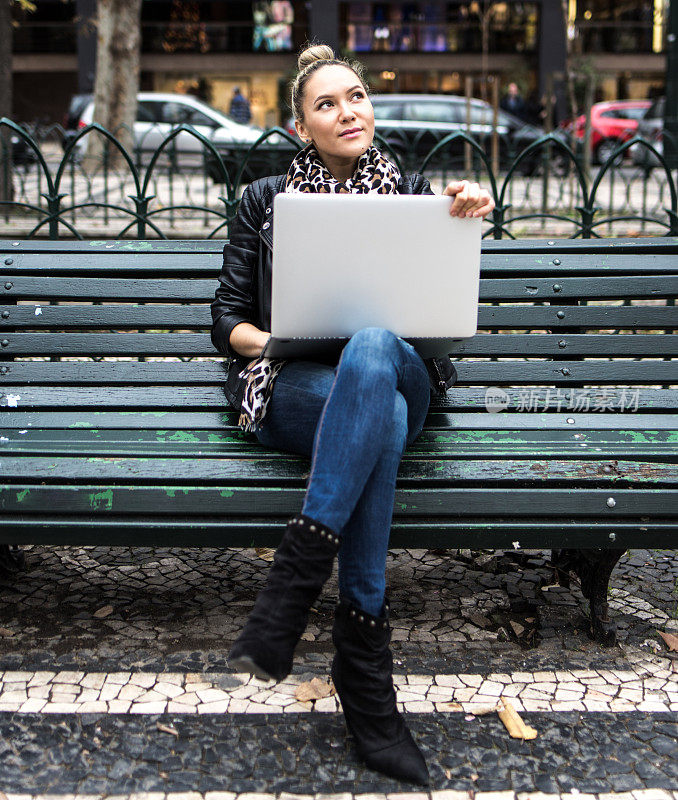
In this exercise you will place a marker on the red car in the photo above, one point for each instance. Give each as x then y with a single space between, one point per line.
612 123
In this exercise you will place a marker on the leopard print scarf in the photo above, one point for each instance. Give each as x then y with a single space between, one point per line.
307 173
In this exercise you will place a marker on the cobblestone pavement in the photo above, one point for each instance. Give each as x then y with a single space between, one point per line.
114 681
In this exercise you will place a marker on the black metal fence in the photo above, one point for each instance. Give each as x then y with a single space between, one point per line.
188 186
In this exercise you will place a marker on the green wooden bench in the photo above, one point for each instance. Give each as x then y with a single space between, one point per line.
105 441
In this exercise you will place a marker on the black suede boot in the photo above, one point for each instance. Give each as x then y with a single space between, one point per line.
301 565
362 671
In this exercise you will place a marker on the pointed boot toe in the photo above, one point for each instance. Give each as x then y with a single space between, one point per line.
403 760
362 672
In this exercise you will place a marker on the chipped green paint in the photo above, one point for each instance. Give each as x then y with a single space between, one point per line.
96 243
173 492
137 245
183 436
217 438
101 500
143 413
80 424
22 495
640 436
226 493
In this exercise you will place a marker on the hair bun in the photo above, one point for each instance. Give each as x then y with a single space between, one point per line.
316 52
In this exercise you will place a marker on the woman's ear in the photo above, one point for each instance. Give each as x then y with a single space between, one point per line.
301 131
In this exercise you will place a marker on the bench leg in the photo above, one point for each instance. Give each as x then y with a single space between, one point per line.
12 559
593 568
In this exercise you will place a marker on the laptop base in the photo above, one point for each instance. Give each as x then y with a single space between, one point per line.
307 348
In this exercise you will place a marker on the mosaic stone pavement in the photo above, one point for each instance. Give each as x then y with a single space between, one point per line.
114 681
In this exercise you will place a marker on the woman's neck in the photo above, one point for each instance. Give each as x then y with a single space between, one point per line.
341 168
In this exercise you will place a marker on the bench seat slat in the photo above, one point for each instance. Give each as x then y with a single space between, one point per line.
109 262
192 344
651 447
650 244
167 398
440 442
201 290
442 421
575 264
489 373
198 316
206 265
116 289
229 499
254 531
523 472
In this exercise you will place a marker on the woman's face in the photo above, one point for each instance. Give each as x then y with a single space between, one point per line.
338 116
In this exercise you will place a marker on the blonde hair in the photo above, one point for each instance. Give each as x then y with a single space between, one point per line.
311 59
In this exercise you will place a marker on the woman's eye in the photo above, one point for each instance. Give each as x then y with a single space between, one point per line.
359 95
324 103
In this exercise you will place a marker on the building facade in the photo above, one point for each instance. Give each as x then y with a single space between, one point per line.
449 46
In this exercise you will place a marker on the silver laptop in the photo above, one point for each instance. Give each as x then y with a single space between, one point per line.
342 262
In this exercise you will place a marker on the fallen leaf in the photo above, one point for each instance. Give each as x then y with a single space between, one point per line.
265 553
448 774
518 629
5 632
314 689
514 724
671 640
104 611
450 706
167 729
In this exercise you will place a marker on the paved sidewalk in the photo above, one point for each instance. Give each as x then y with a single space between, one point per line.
114 681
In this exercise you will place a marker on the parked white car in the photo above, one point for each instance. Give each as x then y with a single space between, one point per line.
158 113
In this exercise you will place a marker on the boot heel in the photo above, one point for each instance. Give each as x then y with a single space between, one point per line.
362 671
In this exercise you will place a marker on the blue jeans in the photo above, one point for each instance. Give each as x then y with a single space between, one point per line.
355 420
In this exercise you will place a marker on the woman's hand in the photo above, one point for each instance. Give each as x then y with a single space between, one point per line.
469 199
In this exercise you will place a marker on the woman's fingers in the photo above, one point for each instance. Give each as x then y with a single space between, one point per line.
469 199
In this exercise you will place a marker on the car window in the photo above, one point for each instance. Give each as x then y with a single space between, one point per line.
388 111
635 113
152 110
433 112
178 113
195 117
656 110
145 112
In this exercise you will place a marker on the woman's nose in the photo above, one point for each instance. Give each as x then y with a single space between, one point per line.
346 111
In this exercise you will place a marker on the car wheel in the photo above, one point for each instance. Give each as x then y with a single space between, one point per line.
604 152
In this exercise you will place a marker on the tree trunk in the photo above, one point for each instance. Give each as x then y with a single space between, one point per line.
6 182
117 76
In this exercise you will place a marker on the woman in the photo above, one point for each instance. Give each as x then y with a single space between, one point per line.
353 418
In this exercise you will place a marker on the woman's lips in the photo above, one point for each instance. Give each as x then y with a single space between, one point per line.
351 134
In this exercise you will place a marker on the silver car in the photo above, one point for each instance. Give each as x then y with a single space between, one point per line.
651 129
158 113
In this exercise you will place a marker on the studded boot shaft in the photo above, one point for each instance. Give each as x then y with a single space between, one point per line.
301 566
362 671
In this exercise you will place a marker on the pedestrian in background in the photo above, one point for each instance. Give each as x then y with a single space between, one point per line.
354 418
514 103
239 109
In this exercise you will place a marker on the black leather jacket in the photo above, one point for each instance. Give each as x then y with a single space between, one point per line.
244 290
